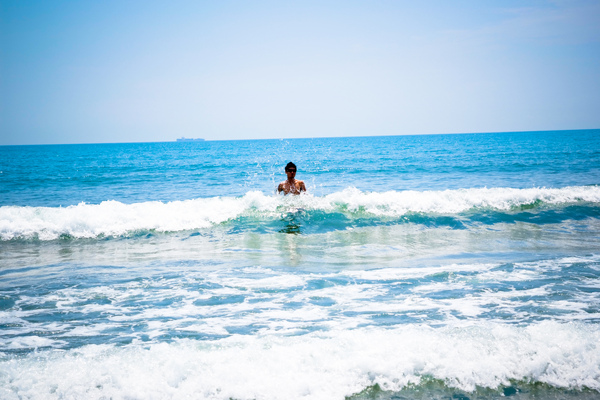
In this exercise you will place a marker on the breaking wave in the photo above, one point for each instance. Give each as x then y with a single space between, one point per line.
331 365
348 208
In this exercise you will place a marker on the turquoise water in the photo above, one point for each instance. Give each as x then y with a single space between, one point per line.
443 266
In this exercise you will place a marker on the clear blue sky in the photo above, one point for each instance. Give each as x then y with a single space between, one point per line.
120 71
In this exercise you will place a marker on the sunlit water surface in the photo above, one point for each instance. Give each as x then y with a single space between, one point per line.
447 266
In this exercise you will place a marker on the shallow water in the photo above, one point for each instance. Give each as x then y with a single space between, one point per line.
447 266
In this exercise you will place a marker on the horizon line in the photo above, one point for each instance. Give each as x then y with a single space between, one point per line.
310 137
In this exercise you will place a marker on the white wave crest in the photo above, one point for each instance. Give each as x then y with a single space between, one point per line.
320 366
458 200
112 218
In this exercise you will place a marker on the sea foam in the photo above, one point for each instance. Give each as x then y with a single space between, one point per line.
113 218
328 365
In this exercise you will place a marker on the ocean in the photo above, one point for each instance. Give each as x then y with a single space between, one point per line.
459 266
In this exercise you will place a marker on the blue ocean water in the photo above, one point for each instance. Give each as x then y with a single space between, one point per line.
438 266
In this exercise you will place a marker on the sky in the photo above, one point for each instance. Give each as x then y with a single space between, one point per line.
147 71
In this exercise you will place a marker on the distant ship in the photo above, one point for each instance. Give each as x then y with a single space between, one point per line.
184 139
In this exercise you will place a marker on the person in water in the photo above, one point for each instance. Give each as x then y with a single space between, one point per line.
291 185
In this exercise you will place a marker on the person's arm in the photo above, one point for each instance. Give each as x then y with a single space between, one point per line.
302 187
280 188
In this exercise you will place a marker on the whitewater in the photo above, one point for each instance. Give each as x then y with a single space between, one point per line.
113 218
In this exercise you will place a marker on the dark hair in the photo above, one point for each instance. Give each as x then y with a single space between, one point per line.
290 165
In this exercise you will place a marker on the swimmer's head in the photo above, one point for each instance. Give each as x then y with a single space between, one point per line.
290 167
